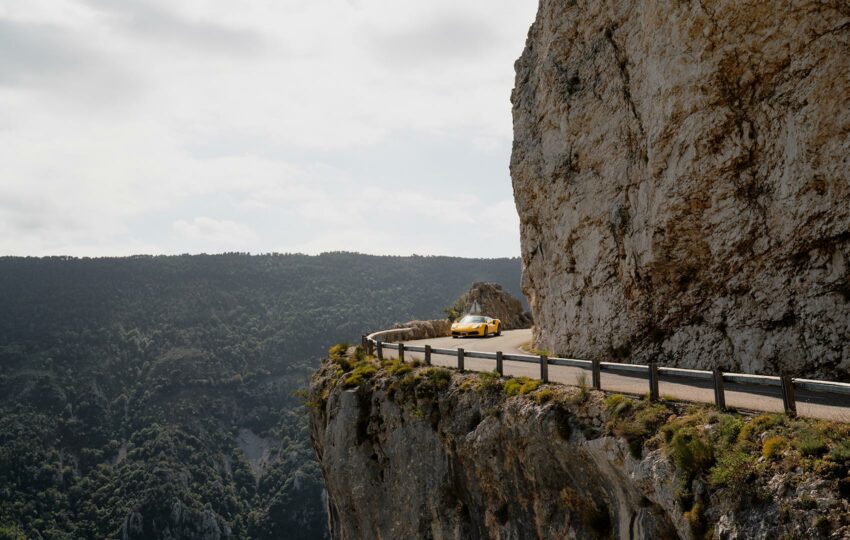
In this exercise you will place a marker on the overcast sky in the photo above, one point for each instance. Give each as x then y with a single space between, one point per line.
148 126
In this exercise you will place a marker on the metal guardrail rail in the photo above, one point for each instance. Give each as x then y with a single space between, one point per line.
652 372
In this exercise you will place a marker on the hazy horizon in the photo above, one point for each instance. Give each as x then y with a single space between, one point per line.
257 254
146 127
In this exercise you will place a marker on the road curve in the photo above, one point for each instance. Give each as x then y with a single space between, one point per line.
738 396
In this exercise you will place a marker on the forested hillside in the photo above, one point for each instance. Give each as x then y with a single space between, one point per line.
145 397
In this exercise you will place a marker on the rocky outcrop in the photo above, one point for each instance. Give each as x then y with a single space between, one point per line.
172 519
422 330
431 454
492 300
682 178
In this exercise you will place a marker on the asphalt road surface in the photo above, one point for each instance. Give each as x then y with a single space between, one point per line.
745 397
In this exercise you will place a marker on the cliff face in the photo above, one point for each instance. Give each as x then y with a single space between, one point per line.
682 176
458 469
424 453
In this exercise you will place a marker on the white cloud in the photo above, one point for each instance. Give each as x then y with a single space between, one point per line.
293 123
217 232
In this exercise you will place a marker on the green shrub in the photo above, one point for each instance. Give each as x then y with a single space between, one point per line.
618 405
397 367
430 381
520 385
338 351
343 365
826 468
729 429
810 443
691 450
833 430
361 374
543 395
840 453
488 381
530 385
455 311
650 415
733 469
11 532
512 387
759 425
773 446
583 389
634 420
440 376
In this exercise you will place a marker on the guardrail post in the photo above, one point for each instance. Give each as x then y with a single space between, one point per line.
401 352
500 368
597 375
370 347
427 355
363 342
788 396
460 360
719 390
653 381
380 350
544 368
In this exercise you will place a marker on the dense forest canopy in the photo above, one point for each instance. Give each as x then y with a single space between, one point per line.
144 397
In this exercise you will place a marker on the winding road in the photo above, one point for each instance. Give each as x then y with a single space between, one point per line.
749 397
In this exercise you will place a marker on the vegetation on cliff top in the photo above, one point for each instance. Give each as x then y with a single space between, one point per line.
724 461
723 455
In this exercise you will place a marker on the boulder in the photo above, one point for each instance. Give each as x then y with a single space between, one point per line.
492 300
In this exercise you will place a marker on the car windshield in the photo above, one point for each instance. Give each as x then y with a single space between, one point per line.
472 319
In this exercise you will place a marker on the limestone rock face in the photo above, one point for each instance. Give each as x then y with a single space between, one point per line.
179 521
682 176
492 300
448 466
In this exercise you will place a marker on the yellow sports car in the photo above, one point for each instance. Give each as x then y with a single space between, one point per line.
476 325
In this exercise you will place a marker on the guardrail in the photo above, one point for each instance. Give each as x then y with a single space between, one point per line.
652 372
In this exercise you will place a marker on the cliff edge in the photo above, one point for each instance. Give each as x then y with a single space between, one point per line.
422 452
682 178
